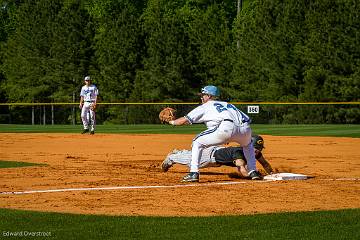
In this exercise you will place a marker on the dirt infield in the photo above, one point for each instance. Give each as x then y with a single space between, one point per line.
114 160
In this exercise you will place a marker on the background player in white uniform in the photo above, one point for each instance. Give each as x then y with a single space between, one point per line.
225 124
88 99
217 156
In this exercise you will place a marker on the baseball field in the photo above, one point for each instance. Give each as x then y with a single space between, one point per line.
59 184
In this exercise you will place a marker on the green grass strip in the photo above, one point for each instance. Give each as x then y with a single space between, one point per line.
342 224
15 164
334 130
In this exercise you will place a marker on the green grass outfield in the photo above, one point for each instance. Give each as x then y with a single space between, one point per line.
336 130
342 224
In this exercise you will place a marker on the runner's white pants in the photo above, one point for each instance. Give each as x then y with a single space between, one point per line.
183 157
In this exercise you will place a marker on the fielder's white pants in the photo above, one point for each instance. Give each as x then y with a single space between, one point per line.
88 116
226 132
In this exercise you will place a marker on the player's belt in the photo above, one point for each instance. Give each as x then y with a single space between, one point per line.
89 101
246 121
228 120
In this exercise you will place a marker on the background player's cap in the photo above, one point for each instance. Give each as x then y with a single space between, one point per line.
210 90
87 78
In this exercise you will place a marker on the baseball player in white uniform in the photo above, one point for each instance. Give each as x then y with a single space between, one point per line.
225 123
88 99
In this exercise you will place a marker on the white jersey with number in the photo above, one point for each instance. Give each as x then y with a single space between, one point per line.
212 113
89 93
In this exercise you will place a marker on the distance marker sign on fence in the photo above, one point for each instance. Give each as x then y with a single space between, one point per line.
253 109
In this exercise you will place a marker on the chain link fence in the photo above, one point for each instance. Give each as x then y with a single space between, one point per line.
147 113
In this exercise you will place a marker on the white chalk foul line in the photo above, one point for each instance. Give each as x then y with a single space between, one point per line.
340 179
154 186
125 187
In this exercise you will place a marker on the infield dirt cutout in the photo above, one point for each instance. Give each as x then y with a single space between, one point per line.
114 160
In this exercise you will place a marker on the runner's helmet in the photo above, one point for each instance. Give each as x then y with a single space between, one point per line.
258 142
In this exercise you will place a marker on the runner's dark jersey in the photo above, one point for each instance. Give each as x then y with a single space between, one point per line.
226 156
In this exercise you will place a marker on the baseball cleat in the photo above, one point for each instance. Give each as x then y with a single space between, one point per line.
255 175
191 177
92 132
85 131
166 164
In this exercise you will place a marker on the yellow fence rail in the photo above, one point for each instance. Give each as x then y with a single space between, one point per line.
184 103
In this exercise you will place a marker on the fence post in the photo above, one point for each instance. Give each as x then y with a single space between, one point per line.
40 115
44 115
73 110
52 114
32 115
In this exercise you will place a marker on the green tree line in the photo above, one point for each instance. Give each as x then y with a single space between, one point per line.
166 50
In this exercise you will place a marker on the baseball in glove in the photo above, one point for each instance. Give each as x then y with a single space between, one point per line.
93 107
167 114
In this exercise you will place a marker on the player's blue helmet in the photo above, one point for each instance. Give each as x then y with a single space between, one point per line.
210 90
